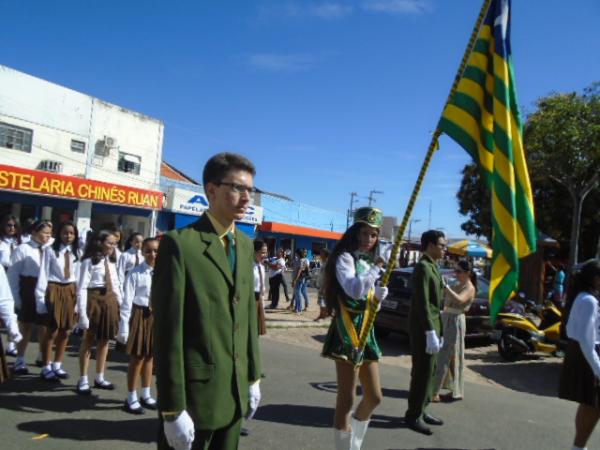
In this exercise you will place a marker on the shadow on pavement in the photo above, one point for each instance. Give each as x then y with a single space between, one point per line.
331 386
315 416
539 378
436 448
134 430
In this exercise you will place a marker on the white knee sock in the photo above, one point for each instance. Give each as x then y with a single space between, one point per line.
146 392
11 346
342 439
359 429
83 380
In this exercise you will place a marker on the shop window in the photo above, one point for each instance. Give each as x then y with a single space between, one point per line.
77 146
129 163
14 137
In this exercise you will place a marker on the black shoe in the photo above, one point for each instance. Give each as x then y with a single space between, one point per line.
418 426
83 390
39 363
49 375
148 405
106 385
12 353
21 370
432 420
244 432
137 411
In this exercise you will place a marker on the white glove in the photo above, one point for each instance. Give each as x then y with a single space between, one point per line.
433 343
123 333
14 335
381 292
40 308
253 399
84 322
180 432
441 342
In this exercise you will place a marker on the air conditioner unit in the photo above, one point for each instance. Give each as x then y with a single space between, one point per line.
51 166
110 142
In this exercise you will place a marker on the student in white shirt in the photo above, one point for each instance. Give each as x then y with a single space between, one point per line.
580 375
55 296
22 276
10 239
98 301
136 329
131 257
8 316
260 253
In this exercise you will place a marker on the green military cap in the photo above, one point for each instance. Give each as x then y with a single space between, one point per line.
371 216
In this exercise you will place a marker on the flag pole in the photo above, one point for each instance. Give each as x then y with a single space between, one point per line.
433 146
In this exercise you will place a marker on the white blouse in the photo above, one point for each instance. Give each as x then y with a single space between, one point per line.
7 304
355 286
53 270
280 267
259 273
128 261
582 326
7 247
138 285
25 261
93 276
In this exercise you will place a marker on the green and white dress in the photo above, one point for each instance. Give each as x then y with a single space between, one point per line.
356 275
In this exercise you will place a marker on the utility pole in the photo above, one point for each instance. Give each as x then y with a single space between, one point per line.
353 200
371 198
429 223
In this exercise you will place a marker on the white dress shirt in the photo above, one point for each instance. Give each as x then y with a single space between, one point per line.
93 276
280 268
7 304
7 247
127 261
259 273
355 286
138 285
25 261
582 326
53 270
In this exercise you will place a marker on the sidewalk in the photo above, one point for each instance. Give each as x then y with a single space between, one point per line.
286 318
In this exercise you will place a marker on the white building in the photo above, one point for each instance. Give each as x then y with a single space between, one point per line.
66 155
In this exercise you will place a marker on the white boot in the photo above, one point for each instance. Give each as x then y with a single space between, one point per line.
342 439
359 429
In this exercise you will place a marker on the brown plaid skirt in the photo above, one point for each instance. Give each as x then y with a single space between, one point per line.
26 312
103 313
141 332
60 302
3 366
260 310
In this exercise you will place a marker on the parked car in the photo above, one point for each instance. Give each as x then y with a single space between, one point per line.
393 316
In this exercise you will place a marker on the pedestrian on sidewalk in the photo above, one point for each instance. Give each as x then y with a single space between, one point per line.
206 331
276 272
260 253
425 330
323 314
580 374
451 359
98 302
301 271
136 329
22 276
350 276
56 298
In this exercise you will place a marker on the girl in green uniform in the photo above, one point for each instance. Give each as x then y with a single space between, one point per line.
350 293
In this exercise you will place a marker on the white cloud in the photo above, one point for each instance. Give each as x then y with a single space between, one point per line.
282 62
397 6
297 10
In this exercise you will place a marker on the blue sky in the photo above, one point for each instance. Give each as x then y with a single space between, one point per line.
326 97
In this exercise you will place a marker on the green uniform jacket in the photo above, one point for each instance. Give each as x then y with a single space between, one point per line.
205 324
426 300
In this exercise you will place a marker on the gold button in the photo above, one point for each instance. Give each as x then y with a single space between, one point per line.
235 357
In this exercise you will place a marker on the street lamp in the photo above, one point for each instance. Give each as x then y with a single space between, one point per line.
410 227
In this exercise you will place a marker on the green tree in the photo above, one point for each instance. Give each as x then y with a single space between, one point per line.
474 201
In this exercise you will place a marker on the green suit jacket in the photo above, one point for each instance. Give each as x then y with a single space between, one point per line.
426 300
205 324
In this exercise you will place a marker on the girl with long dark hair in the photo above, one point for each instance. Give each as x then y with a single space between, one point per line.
10 239
55 296
350 276
131 257
22 276
580 375
451 359
98 301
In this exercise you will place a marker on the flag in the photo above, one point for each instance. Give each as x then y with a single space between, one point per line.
483 117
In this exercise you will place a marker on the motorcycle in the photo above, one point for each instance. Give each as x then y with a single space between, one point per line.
535 329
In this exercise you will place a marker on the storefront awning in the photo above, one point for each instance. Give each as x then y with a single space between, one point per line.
284 228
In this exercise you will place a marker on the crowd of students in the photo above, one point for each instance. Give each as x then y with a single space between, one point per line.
55 281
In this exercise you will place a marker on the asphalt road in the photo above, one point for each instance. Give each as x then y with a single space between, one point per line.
296 412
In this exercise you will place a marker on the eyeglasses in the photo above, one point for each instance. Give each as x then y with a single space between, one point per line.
239 188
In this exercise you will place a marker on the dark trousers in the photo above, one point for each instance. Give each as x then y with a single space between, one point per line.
285 287
226 438
421 377
274 283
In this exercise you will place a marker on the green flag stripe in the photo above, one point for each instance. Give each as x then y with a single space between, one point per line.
478 76
482 46
502 244
503 291
473 108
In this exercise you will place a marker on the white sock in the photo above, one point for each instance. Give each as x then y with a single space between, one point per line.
83 380
56 365
20 361
146 392
47 368
11 346
100 377
132 397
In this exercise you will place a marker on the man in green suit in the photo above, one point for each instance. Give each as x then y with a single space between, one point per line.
425 330
206 330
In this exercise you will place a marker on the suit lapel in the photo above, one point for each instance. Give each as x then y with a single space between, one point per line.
214 248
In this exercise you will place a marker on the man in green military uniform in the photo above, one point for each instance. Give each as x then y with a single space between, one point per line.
206 338
425 329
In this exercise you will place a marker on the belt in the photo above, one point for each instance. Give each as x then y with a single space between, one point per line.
447 309
61 284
